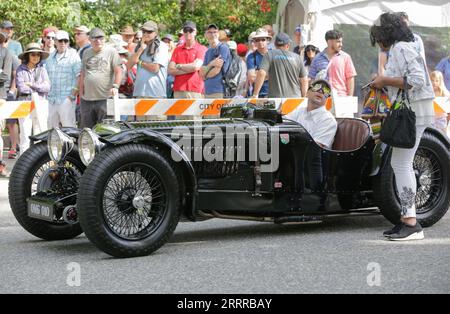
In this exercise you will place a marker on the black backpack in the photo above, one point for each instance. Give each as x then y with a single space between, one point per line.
233 76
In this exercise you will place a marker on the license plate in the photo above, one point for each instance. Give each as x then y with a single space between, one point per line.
40 211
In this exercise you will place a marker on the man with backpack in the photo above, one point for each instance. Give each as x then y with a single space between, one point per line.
216 64
237 82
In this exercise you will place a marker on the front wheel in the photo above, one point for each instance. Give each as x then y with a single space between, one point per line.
29 176
130 200
431 166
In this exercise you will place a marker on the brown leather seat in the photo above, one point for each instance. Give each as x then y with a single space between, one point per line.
351 134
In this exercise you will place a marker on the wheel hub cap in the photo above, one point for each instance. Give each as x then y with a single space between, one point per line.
139 202
424 180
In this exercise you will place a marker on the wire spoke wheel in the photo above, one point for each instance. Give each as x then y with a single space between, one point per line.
134 201
431 165
429 177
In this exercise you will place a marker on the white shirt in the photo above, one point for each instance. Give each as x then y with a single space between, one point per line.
320 124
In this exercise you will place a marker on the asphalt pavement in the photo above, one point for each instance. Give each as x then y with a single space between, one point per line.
341 255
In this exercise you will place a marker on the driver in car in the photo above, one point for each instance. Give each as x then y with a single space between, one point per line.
315 118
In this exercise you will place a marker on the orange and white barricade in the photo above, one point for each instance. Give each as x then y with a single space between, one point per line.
32 116
190 107
341 106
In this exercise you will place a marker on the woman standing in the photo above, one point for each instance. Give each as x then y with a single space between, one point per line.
31 77
392 34
310 53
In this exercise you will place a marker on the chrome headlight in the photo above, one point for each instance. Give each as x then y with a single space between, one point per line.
88 146
59 145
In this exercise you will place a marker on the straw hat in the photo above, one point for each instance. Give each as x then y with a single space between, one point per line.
34 47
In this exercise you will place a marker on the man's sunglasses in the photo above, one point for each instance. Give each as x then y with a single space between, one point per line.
320 88
188 30
63 41
147 32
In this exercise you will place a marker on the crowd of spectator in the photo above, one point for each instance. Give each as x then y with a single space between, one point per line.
143 63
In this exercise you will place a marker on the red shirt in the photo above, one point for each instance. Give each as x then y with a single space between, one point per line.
191 82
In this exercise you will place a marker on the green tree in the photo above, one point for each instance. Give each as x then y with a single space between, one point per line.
32 16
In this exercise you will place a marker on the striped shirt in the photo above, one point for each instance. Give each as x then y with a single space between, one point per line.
63 71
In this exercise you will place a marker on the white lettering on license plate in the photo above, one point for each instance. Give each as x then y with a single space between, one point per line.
38 210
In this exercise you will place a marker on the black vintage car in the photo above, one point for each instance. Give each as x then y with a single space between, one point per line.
127 185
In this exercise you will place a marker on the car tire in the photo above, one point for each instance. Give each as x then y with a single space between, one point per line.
20 186
97 199
385 191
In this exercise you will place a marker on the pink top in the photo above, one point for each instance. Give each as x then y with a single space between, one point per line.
340 70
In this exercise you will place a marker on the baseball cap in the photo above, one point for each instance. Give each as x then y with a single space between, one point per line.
61 35
212 26
282 39
321 85
49 31
82 28
168 36
298 29
150 26
189 24
96 32
232 45
241 50
7 24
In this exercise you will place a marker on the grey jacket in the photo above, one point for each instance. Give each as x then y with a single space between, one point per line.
405 61
6 65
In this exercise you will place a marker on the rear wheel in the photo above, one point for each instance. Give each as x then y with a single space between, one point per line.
31 175
130 196
431 166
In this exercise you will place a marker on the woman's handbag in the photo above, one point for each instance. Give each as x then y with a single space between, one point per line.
399 126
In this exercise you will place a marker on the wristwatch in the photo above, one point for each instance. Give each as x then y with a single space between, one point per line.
178 66
116 86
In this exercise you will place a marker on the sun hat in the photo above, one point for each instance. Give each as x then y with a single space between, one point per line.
33 47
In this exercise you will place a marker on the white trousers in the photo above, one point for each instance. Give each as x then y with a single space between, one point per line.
405 179
61 113
25 129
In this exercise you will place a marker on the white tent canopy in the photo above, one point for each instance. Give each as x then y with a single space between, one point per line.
318 16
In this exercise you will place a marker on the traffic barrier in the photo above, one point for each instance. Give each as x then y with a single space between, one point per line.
37 109
341 106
